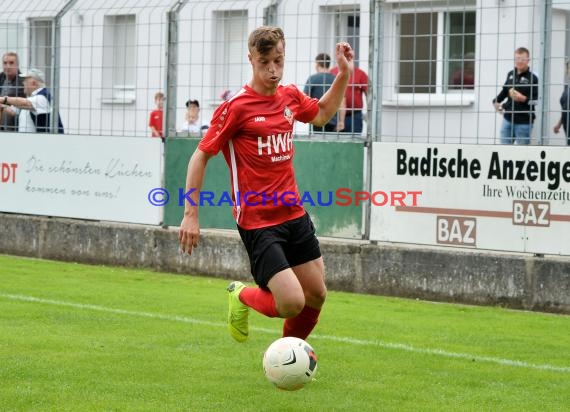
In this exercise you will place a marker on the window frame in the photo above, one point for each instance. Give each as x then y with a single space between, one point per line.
114 91
334 25
442 95
36 26
223 67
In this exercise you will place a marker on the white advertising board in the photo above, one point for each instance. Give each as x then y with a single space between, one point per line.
86 177
512 198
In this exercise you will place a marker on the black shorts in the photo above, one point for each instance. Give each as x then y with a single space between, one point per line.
276 248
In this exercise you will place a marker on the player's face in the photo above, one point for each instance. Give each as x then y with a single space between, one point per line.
268 68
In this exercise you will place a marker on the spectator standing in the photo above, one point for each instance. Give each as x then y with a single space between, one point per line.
521 93
155 121
564 121
357 87
11 85
317 85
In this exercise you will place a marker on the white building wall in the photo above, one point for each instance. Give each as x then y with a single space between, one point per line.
82 103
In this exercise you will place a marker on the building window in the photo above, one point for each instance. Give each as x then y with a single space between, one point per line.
271 14
348 29
340 23
41 47
436 52
119 59
231 51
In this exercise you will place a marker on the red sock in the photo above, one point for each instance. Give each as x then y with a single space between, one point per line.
259 299
301 325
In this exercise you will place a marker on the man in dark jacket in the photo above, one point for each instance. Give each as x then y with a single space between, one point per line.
10 85
564 121
521 93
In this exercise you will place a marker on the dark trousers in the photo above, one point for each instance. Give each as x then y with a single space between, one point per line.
566 128
327 128
353 121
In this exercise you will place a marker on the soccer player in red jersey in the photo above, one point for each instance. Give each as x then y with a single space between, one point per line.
254 131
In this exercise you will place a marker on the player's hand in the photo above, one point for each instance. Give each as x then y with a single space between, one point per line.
557 127
189 234
344 57
498 107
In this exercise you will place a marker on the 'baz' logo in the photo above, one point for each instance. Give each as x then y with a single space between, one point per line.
529 213
456 230
259 119
275 144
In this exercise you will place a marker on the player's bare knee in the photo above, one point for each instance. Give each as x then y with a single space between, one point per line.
316 299
291 308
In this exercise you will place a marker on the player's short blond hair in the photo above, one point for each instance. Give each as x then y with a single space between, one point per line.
265 38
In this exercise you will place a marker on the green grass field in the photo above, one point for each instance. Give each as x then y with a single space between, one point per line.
90 338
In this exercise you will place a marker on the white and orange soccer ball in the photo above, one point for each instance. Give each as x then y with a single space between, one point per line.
290 363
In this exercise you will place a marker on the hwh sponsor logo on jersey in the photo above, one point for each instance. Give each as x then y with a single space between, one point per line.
275 144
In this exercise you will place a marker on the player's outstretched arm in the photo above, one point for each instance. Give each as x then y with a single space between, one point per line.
332 99
189 232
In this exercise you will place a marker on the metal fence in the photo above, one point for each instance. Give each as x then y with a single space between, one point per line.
433 67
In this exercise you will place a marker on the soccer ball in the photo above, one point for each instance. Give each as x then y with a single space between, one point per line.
290 363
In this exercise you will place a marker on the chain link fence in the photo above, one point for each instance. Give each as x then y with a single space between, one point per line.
433 67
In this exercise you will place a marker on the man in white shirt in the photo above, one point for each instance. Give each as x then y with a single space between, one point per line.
192 123
34 111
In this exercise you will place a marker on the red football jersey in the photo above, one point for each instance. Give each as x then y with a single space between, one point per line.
255 134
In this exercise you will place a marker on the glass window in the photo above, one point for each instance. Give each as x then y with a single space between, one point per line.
418 53
428 39
339 23
460 35
41 47
231 51
119 58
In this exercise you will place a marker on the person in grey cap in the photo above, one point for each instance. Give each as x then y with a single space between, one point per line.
34 111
